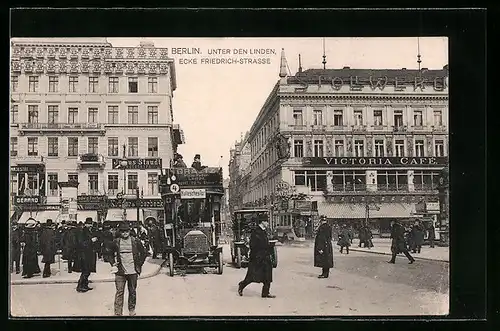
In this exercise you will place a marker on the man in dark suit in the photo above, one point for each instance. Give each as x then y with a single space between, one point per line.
15 249
86 256
260 265
48 247
398 243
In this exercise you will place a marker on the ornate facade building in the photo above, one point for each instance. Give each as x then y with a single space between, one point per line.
83 111
363 144
239 163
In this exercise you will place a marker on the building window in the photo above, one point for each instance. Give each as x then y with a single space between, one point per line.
425 180
14 114
377 118
152 114
338 118
53 112
113 146
93 184
72 115
132 85
93 145
32 184
419 148
379 147
73 178
133 115
297 117
32 146
417 117
112 184
13 146
53 146
318 148
358 117
93 115
33 84
339 148
152 184
348 180
152 146
392 180
316 180
73 84
438 118
113 114
53 185
439 148
32 114
13 184
72 146
132 183
398 118
113 84
399 147
14 83
93 84
53 83
298 148
152 84
359 148
133 146
318 117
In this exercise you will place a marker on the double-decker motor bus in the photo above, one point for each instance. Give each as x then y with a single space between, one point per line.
192 201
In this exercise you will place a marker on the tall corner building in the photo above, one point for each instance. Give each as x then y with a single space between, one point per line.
363 144
93 117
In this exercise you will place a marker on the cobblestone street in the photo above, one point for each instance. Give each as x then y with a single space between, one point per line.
360 284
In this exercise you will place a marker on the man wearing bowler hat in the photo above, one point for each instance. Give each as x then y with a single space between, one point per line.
128 257
85 261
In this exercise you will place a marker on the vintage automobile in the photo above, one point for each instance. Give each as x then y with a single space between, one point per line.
243 222
192 201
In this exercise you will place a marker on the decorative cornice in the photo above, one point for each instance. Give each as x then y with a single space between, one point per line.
289 98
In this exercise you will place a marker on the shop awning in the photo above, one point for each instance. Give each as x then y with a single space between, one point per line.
348 210
83 214
116 215
40 216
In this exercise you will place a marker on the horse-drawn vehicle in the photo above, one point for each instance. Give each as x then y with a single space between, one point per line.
243 223
192 200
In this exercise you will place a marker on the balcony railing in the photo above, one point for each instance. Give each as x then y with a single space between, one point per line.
90 159
61 126
359 128
439 128
400 128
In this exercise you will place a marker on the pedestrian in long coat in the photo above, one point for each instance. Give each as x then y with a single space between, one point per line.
417 235
362 236
86 256
323 249
260 266
155 240
30 256
398 243
344 239
15 249
432 235
69 245
48 247
369 236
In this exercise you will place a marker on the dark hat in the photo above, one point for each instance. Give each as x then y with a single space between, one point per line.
49 222
88 220
80 223
63 222
197 156
124 226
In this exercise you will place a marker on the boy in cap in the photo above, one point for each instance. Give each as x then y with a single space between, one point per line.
128 257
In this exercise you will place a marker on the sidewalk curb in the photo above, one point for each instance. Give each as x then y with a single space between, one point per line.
67 281
389 254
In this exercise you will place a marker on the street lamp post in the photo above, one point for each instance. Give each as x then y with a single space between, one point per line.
123 165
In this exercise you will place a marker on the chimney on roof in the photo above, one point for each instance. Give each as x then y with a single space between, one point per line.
403 68
147 44
300 64
423 69
346 67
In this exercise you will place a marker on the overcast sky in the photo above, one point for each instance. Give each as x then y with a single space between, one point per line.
215 104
